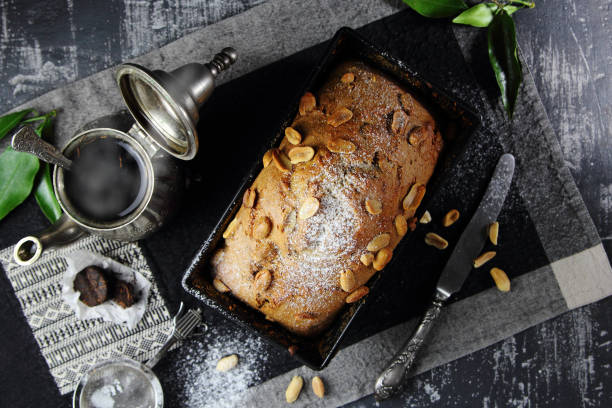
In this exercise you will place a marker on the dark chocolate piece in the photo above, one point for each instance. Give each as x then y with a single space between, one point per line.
124 294
92 283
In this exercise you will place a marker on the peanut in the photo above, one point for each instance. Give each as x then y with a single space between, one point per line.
281 161
340 116
484 258
494 232
378 242
413 198
357 294
399 123
318 387
339 145
373 206
262 281
425 218
501 279
347 78
347 280
309 207
450 218
301 154
294 388
293 136
249 197
307 103
382 259
267 158
435 240
231 227
263 227
227 363
367 258
401 225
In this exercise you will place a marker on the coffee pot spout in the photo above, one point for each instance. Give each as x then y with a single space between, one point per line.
63 232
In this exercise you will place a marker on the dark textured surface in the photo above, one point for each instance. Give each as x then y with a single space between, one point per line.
566 46
564 362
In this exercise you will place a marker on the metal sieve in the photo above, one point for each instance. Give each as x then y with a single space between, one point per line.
126 383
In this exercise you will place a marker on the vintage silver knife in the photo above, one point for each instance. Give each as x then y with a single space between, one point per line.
457 269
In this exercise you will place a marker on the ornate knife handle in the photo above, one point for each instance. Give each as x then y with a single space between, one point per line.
391 381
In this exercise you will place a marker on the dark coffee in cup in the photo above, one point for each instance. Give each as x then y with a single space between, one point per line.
107 180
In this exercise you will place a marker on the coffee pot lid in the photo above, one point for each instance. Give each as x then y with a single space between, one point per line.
166 104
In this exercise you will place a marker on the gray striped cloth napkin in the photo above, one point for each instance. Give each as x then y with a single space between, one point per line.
70 346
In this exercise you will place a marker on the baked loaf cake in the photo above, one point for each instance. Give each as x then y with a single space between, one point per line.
331 202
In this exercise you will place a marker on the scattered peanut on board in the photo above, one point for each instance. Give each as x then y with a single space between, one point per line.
294 388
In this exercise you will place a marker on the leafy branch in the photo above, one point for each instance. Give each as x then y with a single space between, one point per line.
20 173
501 36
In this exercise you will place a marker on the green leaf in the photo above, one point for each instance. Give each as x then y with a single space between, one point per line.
44 195
8 122
478 16
523 4
481 14
503 55
510 9
38 118
437 8
17 172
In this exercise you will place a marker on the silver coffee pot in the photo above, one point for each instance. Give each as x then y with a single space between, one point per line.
160 128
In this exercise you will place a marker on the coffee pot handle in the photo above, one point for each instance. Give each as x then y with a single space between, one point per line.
62 232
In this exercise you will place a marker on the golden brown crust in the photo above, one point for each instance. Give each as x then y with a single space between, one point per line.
360 131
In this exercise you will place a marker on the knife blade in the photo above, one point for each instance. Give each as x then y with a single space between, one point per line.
474 236
454 274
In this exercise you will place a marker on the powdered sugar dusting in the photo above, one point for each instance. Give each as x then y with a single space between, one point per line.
325 244
432 392
329 238
198 382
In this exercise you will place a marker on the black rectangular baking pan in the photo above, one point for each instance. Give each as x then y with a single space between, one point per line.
456 123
